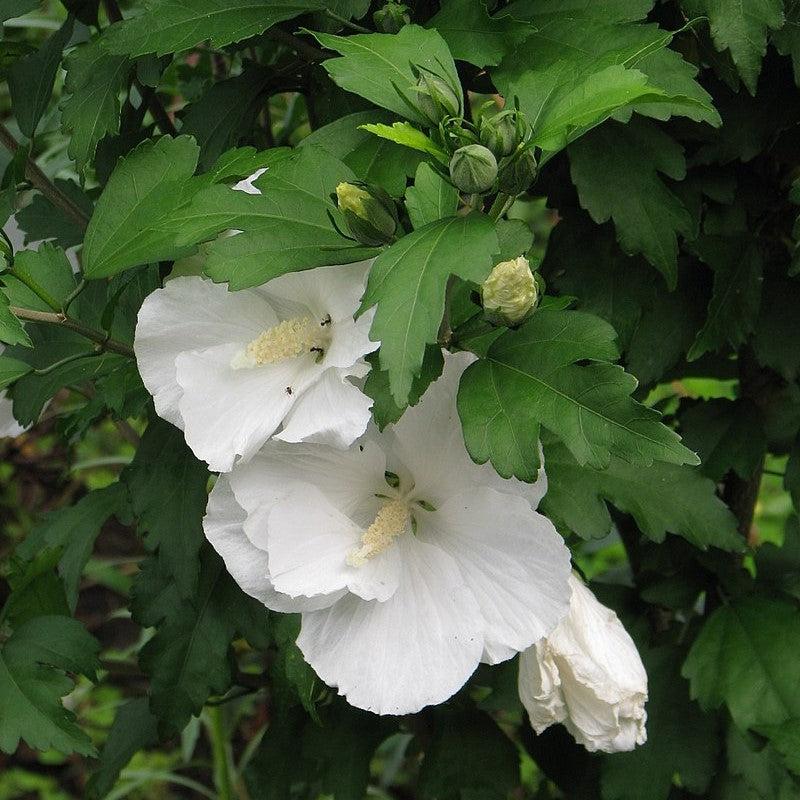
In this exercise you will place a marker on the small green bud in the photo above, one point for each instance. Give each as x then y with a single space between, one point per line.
510 292
436 99
518 174
499 134
473 169
392 17
369 213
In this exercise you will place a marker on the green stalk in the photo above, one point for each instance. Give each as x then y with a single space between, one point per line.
219 753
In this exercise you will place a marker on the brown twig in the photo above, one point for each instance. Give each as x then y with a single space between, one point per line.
41 182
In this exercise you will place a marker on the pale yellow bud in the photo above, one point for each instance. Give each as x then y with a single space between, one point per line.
510 291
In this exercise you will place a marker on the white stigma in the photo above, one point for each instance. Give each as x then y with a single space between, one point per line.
391 521
288 339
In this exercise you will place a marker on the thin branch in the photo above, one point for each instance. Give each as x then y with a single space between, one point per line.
52 318
41 182
347 23
305 49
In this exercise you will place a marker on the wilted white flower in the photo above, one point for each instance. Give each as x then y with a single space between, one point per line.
233 369
588 675
409 563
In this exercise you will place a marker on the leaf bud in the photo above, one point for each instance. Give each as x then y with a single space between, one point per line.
473 169
369 212
436 98
499 134
518 174
391 17
510 292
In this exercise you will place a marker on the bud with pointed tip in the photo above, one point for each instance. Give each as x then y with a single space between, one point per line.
369 213
392 17
499 133
473 169
518 174
510 292
436 98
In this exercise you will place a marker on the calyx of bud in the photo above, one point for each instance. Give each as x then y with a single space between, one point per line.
499 133
392 17
510 293
369 212
436 98
518 174
473 169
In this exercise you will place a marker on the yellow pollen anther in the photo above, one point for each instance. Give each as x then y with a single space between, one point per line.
288 339
389 523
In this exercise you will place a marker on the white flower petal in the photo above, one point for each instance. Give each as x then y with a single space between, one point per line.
8 423
334 290
602 682
347 478
430 442
350 342
247 564
540 687
309 541
416 649
332 411
512 559
191 314
231 412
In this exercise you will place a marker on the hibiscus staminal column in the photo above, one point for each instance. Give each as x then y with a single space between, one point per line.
291 338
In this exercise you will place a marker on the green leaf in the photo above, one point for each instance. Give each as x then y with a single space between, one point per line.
385 410
11 329
406 134
144 213
616 170
293 675
72 531
36 590
134 728
745 657
736 296
576 72
41 220
31 79
49 269
777 334
187 659
431 198
372 160
476 36
786 740
95 78
680 739
167 486
10 9
378 66
741 28
32 682
407 282
727 435
286 228
12 370
468 757
780 566
663 498
226 113
530 377
169 26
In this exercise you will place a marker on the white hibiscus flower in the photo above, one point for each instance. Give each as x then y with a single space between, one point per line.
233 369
410 563
588 675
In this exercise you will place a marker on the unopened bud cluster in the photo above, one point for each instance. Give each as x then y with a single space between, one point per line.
391 17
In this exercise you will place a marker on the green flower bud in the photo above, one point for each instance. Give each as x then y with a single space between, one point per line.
518 174
436 99
369 213
391 17
510 292
473 169
499 134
